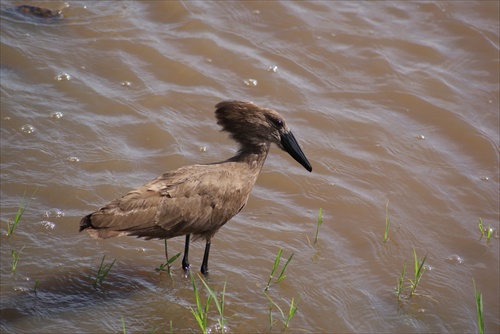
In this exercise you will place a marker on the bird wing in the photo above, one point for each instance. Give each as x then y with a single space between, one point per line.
194 200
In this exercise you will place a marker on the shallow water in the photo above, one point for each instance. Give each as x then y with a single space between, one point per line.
392 102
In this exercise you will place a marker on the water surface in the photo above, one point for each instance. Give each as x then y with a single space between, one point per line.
392 102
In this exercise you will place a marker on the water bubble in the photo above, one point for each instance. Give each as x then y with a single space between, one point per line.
217 329
250 82
73 159
62 77
6 118
48 225
485 178
54 212
208 60
203 148
256 11
56 114
28 128
273 69
421 137
455 259
125 84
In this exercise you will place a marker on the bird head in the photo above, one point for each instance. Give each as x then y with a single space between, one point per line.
251 126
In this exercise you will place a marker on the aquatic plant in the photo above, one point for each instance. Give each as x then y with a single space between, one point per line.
387 222
479 307
319 223
275 267
11 227
169 262
399 286
418 271
219 304
387 237
485 232
201 312
15 258
103 271
37 282
285 318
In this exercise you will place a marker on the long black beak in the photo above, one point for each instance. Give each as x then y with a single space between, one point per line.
292 147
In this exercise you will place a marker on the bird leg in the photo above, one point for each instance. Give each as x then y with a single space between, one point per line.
204 264
185 261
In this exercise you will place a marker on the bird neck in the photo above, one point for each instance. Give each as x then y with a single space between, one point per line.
254 156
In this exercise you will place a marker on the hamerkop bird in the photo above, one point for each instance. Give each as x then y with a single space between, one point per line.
199 199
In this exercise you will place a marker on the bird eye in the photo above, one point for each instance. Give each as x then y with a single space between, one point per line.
278 123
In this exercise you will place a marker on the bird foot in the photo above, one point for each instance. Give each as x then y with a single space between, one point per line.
185 264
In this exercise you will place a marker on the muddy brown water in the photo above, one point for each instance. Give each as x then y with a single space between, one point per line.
392 102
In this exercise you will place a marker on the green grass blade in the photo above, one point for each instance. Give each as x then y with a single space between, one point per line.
286 319
103 271
282 274
387 222
277 306
106 270
479 308
173 258
270 316
399 287
196 295
276 262
275 266
481 227
123 326
419 270
37 282
201 313
319 223
416 264
291 312
11 227
15 259
218 304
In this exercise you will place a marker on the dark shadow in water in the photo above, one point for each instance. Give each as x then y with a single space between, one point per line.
73 292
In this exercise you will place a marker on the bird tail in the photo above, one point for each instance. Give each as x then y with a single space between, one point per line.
85 223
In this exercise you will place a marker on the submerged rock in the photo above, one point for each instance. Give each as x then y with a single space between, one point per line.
39 12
